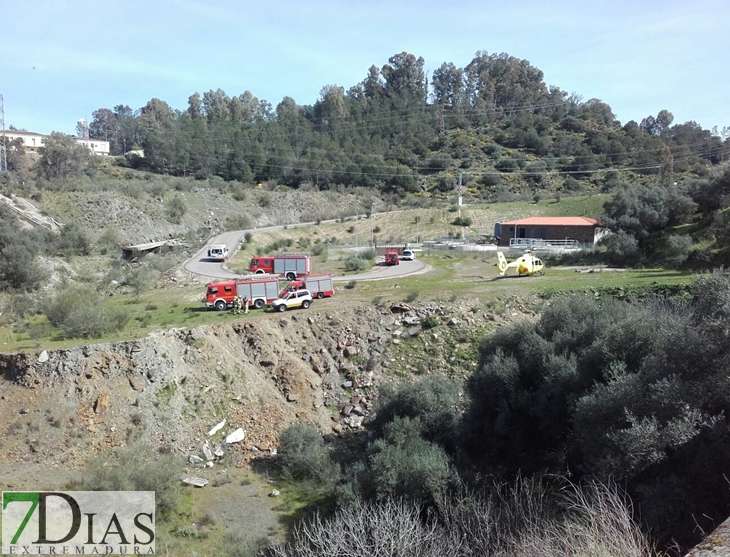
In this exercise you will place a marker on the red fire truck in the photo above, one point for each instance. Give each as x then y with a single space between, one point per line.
288 266
259 291
320 286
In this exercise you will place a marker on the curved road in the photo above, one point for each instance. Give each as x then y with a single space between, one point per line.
199 264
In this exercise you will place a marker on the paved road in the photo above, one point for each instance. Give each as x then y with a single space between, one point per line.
199 264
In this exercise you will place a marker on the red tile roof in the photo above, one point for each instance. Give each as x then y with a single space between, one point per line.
554 221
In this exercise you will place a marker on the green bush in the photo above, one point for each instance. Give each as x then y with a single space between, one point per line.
304 456
356 263
622 249
403 464
175 208
434 401
319 249
80 313
238 222
675 250
431 322
609 389
461 221
72 241
135 469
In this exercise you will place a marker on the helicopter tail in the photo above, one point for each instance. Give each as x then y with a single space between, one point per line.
501 262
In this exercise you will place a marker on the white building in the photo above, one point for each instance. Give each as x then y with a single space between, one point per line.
33 141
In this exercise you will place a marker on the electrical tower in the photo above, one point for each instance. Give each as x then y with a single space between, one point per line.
3 143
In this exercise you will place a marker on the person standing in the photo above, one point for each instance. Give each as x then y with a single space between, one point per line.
245 305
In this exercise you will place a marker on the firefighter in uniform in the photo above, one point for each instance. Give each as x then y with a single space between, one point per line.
237 305
245 305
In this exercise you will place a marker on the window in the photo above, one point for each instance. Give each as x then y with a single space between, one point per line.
212 291
227 289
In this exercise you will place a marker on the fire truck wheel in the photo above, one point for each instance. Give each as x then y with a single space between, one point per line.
221 305
305 304
320 295
258 304
290 276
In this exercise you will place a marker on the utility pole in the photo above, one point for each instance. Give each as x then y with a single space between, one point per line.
3 143
372 224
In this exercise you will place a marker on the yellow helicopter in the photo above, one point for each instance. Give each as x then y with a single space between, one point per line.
526 265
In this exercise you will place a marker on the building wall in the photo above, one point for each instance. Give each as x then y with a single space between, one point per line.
31 141
582 234
34 141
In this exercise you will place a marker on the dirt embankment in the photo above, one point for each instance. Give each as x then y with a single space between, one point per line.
260 373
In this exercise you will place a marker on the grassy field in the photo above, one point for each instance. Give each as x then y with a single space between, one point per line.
452 274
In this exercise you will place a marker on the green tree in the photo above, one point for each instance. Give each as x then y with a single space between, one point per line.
62 157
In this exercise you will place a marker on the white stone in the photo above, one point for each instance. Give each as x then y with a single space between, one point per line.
274 493
207 453
195 459
217 428
197 482
236 437
43 357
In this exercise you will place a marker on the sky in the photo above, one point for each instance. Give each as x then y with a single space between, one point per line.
61 60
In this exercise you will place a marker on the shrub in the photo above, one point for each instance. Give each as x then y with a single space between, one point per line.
319 249
403 464
135 469
462 221
351 285
622 249
72 241
675 250
611 389
238 222
80 313
520 520
176 209
434 401
431 322
356 263
304 456
350 229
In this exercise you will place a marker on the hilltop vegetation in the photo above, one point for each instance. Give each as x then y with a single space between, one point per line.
494 122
